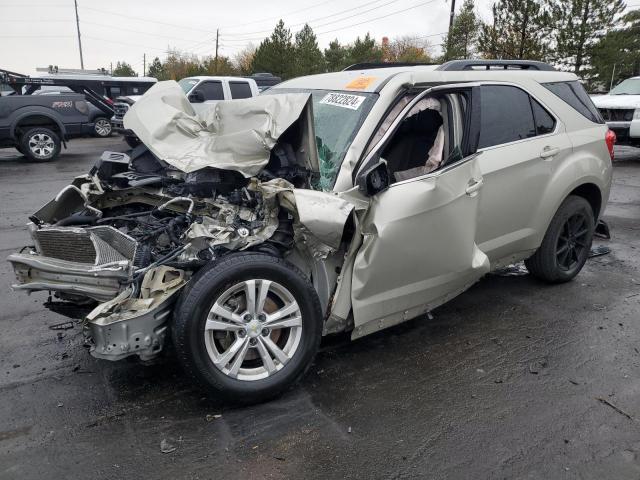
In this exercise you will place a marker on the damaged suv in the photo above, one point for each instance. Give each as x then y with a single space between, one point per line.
347 201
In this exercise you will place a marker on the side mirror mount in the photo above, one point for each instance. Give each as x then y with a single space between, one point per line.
196 97
374 180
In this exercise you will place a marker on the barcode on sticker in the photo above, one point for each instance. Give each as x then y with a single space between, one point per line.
343 100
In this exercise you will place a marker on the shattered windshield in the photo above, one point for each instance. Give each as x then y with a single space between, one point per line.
630 86
337 118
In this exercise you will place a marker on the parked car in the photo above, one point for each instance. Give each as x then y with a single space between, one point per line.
339 202
202 92
39 125
620 108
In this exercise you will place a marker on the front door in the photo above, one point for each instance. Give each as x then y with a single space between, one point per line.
419 246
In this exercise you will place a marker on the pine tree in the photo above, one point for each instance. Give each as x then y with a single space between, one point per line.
123 69
275 54
308 58
365 50
617 55
578 25
156 69
461 42
519 31
336 56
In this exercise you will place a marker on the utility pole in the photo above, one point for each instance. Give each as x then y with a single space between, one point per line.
451 15
144 64
75 2
216 60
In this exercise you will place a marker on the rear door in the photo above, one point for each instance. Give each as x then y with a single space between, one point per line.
521 143
418 247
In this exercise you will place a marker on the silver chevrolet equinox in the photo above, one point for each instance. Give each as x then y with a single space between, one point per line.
340 202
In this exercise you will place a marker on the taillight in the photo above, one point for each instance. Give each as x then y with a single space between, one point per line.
610 139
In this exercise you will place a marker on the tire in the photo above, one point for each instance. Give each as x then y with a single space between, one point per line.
207 354
565 247
102 127
40 144
133 142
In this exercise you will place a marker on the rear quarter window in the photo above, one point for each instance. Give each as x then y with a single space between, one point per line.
240 89
574 94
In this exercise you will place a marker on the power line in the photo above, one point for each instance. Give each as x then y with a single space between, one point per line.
387 2
130 17
138 31
280 16
377 18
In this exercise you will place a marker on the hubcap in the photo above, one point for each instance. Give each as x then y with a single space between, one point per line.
41 145
572 242
253 329
103 127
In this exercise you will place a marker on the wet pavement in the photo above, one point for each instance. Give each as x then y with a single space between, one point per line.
512 379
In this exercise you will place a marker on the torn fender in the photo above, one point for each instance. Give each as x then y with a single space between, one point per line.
232 134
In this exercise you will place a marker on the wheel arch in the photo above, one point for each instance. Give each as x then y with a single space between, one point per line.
37 118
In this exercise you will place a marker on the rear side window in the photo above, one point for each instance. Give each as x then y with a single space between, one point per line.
212 90
240 90
545 123
574 94
505 115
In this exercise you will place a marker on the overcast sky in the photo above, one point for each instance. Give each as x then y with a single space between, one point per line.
38 33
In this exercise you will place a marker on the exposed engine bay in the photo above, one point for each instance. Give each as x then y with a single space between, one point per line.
115 246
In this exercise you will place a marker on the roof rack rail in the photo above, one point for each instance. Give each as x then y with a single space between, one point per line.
458 65
368 65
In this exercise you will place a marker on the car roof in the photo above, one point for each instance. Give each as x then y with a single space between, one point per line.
219 77
374 79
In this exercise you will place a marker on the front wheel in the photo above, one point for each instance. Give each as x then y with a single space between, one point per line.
102 127
248 327
565 247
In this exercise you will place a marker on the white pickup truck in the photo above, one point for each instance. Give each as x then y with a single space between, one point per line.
620 108
202 92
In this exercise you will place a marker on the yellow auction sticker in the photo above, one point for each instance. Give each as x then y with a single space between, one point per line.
360 83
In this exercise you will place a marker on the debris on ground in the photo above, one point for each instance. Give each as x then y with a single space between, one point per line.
602 230
537 366
617 409
167 447
349 430
513 270
599 251
62 326
210 418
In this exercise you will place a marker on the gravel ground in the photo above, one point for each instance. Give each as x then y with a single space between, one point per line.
512 379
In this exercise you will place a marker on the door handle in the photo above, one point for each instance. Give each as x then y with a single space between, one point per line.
548 152
473 187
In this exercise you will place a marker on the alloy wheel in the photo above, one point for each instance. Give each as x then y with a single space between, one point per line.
253 329
572 241
103 127
41 145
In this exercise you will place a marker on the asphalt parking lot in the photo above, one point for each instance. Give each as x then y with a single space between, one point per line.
512 379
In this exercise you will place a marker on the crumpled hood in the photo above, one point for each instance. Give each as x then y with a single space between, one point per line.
231 135
616 101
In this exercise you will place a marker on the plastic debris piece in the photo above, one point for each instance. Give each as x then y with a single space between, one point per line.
599 251
166 447
62 326
513 270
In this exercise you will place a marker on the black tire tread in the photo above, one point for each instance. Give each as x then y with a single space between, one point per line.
542 264
26 151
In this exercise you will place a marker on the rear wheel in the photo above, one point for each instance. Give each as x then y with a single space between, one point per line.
40 144
565 247
102 127
248 327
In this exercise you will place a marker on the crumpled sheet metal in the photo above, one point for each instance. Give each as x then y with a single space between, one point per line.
319 219
232 134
